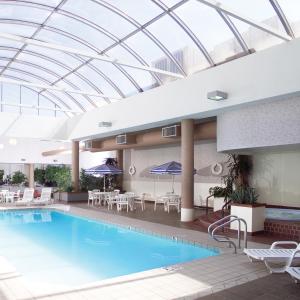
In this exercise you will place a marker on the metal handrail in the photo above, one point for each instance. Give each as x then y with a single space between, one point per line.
225 239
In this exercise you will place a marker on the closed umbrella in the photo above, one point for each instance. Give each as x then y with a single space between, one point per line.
104 170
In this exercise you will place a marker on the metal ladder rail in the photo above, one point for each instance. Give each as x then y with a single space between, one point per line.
239 232
225 239
219 221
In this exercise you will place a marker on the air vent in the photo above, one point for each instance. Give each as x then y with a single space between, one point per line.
88 145
125 139
171 131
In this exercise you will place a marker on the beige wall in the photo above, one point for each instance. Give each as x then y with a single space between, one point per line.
144 159
277 177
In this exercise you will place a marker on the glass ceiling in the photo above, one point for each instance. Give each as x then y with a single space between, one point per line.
179 36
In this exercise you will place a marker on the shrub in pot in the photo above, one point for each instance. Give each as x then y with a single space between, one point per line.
244 205
219 194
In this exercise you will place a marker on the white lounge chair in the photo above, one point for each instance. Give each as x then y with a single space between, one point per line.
27 197
275 255
45 197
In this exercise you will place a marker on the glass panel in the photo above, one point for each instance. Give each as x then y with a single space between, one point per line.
120 53
33 70
291 10
7 54
211 30
259 10
11 94
145 47
42 62
170 3
56 96
29 97
23 30
62 57
43 102
104 86
48 2
23 76
82 31
179 44
100 15
116 76
8 43
22 12
59 39
255 39
144 79
141 10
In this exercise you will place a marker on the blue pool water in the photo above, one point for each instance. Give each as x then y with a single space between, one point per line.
56 247
283 214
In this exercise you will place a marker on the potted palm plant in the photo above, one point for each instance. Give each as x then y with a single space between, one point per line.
244 205
218 193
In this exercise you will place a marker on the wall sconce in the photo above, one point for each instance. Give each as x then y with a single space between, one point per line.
104 124
217 95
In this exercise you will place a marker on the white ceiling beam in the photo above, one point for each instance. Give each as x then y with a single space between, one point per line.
29 41
229 11
55 88
38 107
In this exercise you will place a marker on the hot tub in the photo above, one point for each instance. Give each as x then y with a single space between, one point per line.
283 214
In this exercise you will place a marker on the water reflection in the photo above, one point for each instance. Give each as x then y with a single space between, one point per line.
15 217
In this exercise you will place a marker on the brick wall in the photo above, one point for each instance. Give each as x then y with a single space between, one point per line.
287 229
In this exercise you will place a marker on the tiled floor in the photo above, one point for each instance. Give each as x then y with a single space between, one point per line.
184 281
272 287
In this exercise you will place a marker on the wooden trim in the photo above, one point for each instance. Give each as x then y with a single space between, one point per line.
249 205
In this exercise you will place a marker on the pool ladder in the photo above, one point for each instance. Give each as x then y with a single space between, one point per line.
214 227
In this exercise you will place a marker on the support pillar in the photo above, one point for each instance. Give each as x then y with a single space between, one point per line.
75 166
119 158
31 175
187 172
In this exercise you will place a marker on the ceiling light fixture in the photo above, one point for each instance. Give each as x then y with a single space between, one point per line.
12 141
217 95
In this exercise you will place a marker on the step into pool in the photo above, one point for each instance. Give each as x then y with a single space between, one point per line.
54 247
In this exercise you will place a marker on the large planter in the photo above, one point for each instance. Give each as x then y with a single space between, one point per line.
254 215
218 203
71 196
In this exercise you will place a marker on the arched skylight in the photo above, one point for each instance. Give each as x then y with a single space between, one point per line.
178 36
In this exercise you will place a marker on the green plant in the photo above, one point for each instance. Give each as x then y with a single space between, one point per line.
51 175
18 177
217 191
244 195
63 179
39 176
1 176
89 182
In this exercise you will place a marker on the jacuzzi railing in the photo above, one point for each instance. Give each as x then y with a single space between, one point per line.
212 229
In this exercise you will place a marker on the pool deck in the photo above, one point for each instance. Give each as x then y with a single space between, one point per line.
190 280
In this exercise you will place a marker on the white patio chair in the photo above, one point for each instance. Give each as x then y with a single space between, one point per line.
123 200
27 197
9 197
141 200
117 191
160 200
173 200
275 255
110 199
90 198
17 195
45 197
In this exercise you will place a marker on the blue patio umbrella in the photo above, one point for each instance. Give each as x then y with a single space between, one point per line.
103 170
171 168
